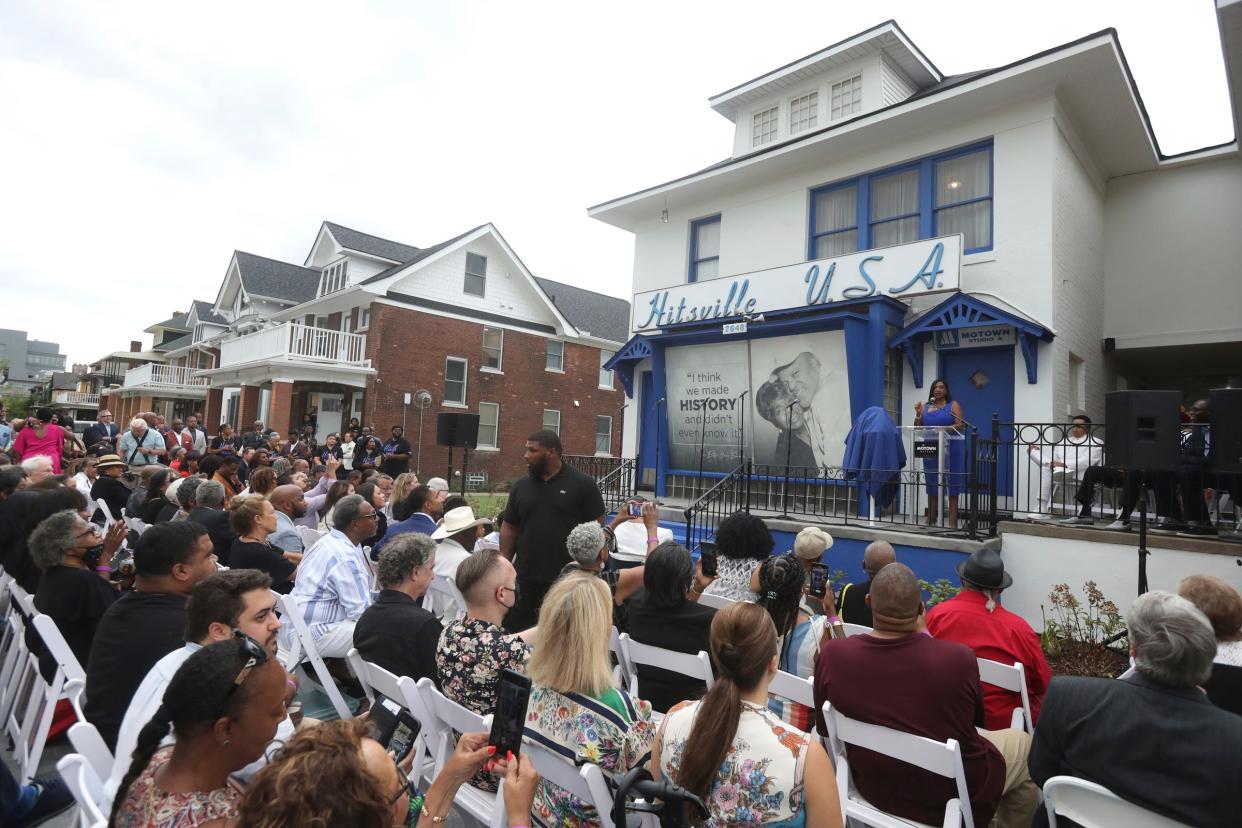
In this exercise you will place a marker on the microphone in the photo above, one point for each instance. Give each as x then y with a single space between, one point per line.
660 401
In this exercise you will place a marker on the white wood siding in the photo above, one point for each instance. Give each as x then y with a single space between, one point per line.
894 86
507 291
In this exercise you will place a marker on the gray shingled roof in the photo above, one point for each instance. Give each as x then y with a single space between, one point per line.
261 276
206 314
606 317
175 322
371 245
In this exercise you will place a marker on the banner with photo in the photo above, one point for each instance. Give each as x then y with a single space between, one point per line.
797 407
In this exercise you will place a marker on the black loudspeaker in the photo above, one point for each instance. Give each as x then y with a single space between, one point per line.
457 430
1143 429
1225 454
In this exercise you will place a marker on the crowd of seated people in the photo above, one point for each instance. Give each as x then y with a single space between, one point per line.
184 685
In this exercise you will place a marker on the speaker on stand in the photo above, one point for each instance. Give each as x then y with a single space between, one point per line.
1143 429
454 430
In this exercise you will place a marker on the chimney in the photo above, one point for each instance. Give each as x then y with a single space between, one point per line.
135 346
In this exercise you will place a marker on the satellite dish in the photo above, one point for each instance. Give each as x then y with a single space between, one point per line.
422 398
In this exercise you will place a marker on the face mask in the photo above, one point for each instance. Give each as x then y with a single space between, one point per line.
92 555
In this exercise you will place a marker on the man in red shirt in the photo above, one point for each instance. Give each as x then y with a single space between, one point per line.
899 678
976 618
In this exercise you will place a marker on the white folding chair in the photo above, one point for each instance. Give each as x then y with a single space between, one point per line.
1095 806
444 716
794 688
90 745
107 513
308 535
716 601
696 666
304 650
14 670
942 758
1011 678
86 788
30 717
446 588
74 676
855 629
375 679
586 782
623 671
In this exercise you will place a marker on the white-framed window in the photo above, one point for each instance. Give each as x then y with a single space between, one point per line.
364 318
347 323
846 97
803 112
334 277
489 425
476 275
763 126
552 420
321 322
704 249
493 348
605 376
455 380
556 356
603 434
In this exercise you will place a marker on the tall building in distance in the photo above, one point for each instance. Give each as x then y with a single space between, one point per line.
25 362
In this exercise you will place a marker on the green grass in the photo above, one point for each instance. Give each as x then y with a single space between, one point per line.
486 505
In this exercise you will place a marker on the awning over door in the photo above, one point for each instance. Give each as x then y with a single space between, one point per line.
960 312
624 361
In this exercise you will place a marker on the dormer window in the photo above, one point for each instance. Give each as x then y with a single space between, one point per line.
803 111
475 283
764 126
847 97
334 277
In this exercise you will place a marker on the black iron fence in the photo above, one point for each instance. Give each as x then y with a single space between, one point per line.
615 476
727 496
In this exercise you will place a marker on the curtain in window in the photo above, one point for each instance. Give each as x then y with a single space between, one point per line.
962 181
891 196
835 210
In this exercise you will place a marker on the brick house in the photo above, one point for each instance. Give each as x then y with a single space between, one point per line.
364 321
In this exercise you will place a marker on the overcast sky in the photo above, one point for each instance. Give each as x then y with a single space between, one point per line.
144 142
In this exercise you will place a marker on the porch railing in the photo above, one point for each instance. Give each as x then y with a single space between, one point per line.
159 375
295 341
728 495
615 476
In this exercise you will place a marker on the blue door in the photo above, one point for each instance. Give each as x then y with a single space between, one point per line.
646 432
981 380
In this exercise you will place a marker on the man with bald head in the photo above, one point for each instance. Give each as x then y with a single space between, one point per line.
852 603
289 501
901 678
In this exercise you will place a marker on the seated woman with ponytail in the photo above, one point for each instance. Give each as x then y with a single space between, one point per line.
729 749
799 633
224 705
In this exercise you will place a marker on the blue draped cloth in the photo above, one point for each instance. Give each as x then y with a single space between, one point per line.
874 456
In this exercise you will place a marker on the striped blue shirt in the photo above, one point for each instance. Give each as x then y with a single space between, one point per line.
333 583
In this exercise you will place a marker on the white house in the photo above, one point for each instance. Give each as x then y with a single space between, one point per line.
1015 230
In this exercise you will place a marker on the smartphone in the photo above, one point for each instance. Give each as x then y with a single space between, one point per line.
819 580
707 558
394 727
634 508
509 717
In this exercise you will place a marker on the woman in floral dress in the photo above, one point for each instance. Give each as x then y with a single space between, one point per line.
575 708
747 766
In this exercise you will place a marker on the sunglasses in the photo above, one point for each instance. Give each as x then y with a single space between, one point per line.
407 787
256 657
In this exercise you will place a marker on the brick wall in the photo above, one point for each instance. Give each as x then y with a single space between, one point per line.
408 348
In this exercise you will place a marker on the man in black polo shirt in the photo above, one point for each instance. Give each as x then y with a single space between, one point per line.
542 509
146 624
852 603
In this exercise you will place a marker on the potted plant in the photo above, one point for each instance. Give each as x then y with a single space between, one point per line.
1079 639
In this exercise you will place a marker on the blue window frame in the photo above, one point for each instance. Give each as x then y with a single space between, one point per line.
942 194
704 249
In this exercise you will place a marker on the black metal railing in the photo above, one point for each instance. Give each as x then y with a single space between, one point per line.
729 494
618 485
596 467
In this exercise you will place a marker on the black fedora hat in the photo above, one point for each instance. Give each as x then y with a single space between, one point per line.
985 569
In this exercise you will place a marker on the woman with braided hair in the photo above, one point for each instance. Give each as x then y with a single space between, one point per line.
223 704
800 634
729 749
